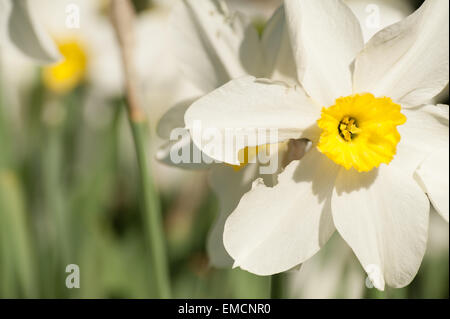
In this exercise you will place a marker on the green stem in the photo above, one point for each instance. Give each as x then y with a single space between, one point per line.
277 286
60 253
151 213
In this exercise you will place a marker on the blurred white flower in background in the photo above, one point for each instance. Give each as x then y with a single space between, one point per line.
89 54
84 34
83 30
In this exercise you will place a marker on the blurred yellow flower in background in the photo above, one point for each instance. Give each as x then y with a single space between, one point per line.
71 71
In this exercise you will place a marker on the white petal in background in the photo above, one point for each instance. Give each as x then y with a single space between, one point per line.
376 15
408 61
433 176
274 229
212 44
278 57
334 272
438 236
26 33
171 151
383 216
229 186
157 65
5 10
324 56
241 107
255 9
173 118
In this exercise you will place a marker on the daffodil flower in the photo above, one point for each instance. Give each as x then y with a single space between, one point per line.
19 27
377 152
197 30
85 38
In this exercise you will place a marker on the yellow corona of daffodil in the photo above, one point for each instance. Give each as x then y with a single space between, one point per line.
71 71
379 153
360 131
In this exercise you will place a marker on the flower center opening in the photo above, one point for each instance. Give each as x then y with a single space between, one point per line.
360 131
348 128
71 71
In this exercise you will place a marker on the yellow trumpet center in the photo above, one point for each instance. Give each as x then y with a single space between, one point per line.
70 72
360 131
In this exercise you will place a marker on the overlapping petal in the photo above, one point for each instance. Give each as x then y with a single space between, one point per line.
238 109
325 36
409 60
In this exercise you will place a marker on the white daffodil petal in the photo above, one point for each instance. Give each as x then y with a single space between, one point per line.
425 131
181 152
28 36
278 54
212 44
433 177
276 228
383 216
409 60
325 36
250 112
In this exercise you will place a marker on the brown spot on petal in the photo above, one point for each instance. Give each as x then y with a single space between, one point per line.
296 150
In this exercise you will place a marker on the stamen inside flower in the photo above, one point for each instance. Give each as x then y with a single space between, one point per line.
360 131
66 75
348 128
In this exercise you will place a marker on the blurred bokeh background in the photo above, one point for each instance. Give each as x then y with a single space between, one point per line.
68 186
